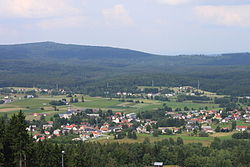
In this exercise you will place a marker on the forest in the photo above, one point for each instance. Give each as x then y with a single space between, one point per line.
17 148
94 70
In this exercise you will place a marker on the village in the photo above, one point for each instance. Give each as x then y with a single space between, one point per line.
126 114
197 123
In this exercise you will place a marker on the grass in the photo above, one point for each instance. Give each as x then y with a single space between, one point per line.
206 141
31 103
229 124
29 106
97 103
242 123
64 139
190 105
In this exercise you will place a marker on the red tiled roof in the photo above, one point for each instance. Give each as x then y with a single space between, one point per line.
245 127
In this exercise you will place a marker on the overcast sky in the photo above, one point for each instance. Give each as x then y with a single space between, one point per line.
155 26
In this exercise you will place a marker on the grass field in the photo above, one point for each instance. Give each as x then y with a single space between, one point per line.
29 106
229 124
205 141
97 102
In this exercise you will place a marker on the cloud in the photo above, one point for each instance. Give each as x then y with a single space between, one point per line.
235 15
117 15
174 2
65 22
36 8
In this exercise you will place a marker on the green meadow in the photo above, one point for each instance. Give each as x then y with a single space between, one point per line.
34 105
206 141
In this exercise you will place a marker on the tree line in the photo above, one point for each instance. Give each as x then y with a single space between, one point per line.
18 149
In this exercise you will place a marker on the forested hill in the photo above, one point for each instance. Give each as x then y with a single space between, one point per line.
54 50
49 63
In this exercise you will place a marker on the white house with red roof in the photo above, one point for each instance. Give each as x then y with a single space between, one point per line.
241 128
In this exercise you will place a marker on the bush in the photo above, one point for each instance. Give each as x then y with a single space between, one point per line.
241 135
203 134
57 103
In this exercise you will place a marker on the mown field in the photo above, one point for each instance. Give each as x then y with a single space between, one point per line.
30 106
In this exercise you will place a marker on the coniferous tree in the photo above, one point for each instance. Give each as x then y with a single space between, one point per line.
2 133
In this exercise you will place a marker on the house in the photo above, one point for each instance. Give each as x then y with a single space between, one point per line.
170 95
35 114
41 138
116 128
207 129
65 115
36 136
31 128
50 137
57 132
131 116
47 132
227 119
141 129
76 139
68 127
96 134
104 129
175 130
29 96
189 128
241 128
163 129
47 126
6 101
93 115
84 137
217 116
158 164
50 122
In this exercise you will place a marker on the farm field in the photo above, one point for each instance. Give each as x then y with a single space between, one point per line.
29 106
205 141
35 105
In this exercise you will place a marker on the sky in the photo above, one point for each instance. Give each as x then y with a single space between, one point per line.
168 27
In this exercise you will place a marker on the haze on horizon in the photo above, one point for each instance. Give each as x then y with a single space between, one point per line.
154 26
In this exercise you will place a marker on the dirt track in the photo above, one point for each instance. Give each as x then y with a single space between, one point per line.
10 109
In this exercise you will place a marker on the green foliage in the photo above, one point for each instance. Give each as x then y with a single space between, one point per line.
233 127
16 142
182 98
203 134
169 132
31 64
179 141
156 133
132 135
57 103
171 122
241 135
226 153
161 98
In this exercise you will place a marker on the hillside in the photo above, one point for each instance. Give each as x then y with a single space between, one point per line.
49 63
